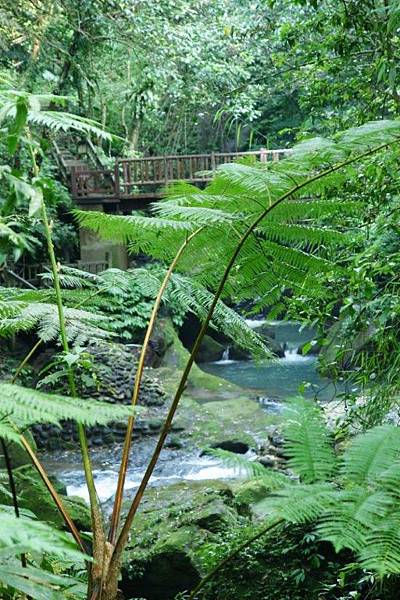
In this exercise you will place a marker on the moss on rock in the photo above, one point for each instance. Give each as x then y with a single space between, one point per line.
173 527
34 496
17 454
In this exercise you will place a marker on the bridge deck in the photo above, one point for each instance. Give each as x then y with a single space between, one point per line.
135 181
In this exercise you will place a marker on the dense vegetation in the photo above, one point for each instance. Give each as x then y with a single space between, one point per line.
313 237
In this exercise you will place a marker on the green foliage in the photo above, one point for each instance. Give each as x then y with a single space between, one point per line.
25 407
26 535
359 508
127 298
308 443
23 108
358 318
289 248
22 311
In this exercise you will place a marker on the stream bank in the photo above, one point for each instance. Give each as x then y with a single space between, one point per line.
194 502
224 402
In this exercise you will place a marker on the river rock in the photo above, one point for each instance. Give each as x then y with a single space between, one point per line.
314 348
265 331
235 446
172 529
174 441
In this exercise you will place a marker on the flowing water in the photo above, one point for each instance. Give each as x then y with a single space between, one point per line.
272 382
173 466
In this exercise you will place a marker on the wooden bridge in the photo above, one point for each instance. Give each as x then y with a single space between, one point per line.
134 181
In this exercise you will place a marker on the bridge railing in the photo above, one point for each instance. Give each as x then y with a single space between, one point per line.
132 174
87 183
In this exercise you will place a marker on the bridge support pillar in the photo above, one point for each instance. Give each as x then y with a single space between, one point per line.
98 254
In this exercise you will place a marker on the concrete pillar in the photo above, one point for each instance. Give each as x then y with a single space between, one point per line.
95 250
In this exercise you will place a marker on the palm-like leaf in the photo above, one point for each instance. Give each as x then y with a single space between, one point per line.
29 535
26 407
307 442
26 535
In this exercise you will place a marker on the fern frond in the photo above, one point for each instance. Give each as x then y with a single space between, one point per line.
371 455
304 236
354 513
380 551
34 536
307 442
368 135
299 503
38 113
197 215
70 277
250 468
197 299
61 121
305 209
27 407
37 583
17 316
125 228
8 432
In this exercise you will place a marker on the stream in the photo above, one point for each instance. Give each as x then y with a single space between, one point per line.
272 383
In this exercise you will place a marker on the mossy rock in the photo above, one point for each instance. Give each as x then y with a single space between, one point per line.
34 496
174 524
17 454
174 361
241 418
267 334
251 492
210 350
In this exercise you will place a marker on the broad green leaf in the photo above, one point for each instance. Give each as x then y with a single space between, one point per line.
18 124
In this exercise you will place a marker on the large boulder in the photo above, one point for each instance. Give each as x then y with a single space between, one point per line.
111 380
34 496
210 350
267 334
330 357
16 453
173 527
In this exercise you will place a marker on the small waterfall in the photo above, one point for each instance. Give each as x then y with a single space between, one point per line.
225 360
225 354
292 355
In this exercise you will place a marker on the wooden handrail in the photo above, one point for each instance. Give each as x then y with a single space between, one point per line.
129 174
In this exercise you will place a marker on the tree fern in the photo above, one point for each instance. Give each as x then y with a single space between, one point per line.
42 317
26 407
307 442
26 535
292 239
356 506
